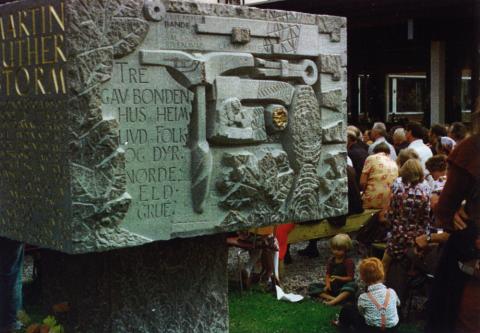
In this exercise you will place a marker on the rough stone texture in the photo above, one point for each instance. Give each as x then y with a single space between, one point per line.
331 25
335 133
199 8
240 35
260 182
179 119
98 32
305 127
146 289
332 100
331 64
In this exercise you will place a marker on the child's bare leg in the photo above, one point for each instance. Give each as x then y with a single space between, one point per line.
326 296
267 264
340 298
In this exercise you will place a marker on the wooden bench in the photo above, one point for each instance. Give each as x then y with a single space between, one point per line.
323 229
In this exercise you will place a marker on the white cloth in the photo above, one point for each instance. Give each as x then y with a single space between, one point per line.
370 312
281 296
423 151
393 154
436 185
349 161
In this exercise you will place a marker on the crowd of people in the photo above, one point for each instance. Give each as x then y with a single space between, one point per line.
425 185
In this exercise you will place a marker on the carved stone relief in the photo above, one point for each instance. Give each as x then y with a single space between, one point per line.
331 64
256 182
166 119
237 124
186 119
332 100
335 133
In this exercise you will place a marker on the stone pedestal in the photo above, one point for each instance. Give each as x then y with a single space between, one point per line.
174 286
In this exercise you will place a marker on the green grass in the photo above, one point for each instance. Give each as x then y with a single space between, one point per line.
258 312
255 311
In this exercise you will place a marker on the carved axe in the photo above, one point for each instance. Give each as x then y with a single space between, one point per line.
196 71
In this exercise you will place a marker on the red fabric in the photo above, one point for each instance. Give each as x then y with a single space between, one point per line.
466 155
463 172
282 237
349 266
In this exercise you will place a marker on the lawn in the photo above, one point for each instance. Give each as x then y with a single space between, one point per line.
255 311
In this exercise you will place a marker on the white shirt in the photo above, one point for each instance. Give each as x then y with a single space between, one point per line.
349 161
370 312
423 151
393 154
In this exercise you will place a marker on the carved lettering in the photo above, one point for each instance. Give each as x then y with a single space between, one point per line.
154 133
31 53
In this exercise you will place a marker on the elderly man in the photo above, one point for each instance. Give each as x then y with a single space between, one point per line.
378 134
399 139
415 135
11 262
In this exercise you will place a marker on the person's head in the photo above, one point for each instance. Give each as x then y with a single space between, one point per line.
411 172
378 130
436 132
445 145
340 245
367 136
399 137
382 147
351 138
355 130
414 131
405 155
371 271
437 166
457 131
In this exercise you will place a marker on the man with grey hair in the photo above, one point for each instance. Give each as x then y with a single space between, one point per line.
399 139
378 134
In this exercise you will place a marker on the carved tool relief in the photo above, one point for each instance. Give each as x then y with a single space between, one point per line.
305 71
268 105
176 118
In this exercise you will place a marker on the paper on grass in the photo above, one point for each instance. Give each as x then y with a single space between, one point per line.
281 296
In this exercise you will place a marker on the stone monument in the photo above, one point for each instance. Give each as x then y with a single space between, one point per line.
128 122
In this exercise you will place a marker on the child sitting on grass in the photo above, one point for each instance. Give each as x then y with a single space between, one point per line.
339 280
377 308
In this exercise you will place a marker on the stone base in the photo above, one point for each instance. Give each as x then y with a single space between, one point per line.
174 286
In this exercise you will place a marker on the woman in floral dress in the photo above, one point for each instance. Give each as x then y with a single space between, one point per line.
409 217
378 174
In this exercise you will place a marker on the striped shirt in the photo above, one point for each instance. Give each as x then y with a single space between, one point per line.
370 312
